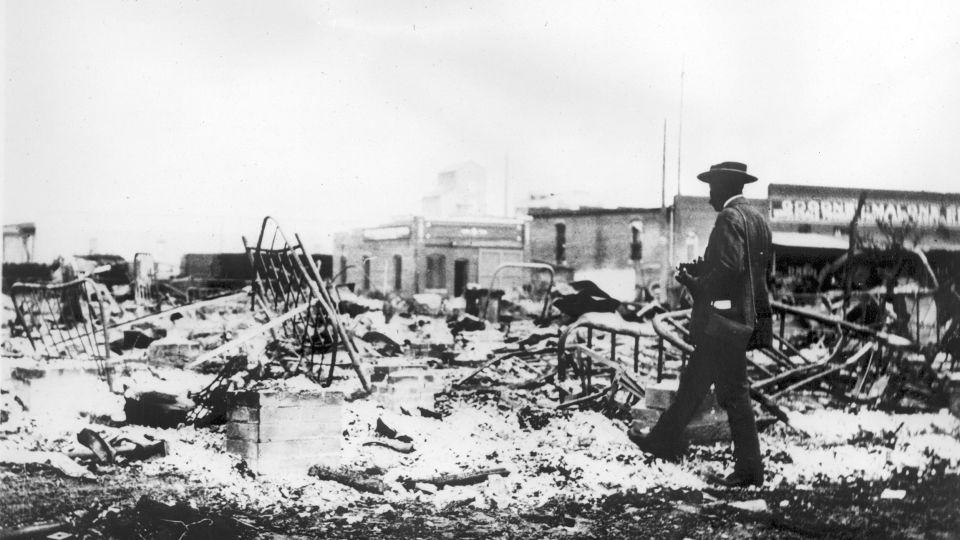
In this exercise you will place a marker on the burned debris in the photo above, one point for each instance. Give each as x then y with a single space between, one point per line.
295 396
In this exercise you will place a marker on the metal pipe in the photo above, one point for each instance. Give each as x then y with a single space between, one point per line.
891 339
850 361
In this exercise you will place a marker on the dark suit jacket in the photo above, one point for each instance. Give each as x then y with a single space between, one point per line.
724 273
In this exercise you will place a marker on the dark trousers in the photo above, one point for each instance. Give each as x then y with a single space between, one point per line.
714 363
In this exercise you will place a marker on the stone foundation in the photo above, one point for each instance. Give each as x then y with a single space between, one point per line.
282 433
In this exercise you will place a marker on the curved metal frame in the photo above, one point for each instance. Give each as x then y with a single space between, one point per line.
63 319
841 261
286 279
548 299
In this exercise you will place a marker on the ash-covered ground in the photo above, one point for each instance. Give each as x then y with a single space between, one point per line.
565 472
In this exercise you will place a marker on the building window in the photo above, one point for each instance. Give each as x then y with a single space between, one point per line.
343 270
436 271
561 243
636 244
397 272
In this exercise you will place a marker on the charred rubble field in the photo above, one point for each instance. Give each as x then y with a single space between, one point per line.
464 435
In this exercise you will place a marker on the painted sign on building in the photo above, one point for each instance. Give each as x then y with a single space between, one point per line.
473 232
837 206
387 233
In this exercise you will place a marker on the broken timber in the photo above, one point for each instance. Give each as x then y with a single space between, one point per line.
357 481
248 335
464 479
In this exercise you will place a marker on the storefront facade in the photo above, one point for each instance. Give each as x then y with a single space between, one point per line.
419 255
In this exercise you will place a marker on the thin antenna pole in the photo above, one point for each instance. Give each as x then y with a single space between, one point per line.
506 184
680 128
667 257
663 173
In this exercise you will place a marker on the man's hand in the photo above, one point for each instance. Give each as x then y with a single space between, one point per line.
684 278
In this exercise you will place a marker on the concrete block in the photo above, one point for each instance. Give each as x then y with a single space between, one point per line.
707 427
290 448
276 399
308 412
287 457
172 351
661 395
282 431
386 367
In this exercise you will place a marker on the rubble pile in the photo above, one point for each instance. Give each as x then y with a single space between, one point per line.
298 410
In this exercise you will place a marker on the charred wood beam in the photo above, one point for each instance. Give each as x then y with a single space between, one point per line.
888 339
250 334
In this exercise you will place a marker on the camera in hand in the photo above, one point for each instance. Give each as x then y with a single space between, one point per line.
693 268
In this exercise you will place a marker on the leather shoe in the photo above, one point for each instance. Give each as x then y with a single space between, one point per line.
655 448
738 479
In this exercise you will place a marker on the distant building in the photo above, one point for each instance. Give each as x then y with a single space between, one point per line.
809 225
629 239
453 243
440 255
18 242
460 191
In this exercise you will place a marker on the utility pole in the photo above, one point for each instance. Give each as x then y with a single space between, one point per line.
664 256
680 127
663 173
506 184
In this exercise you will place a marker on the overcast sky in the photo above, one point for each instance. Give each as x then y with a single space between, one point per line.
169 127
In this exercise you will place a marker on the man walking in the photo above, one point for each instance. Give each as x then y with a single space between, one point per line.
731 313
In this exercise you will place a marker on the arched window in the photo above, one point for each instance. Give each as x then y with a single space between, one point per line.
436 271
343 270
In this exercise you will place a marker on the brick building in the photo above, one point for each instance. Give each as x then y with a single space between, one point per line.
422 254
624 239
693 220
809 225
19 242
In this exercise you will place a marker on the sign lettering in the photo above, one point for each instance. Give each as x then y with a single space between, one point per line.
923 214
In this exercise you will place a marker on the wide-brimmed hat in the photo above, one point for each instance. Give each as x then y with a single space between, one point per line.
728 170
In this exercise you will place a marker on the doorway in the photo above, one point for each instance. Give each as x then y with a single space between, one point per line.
397 272
460 276
366 273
